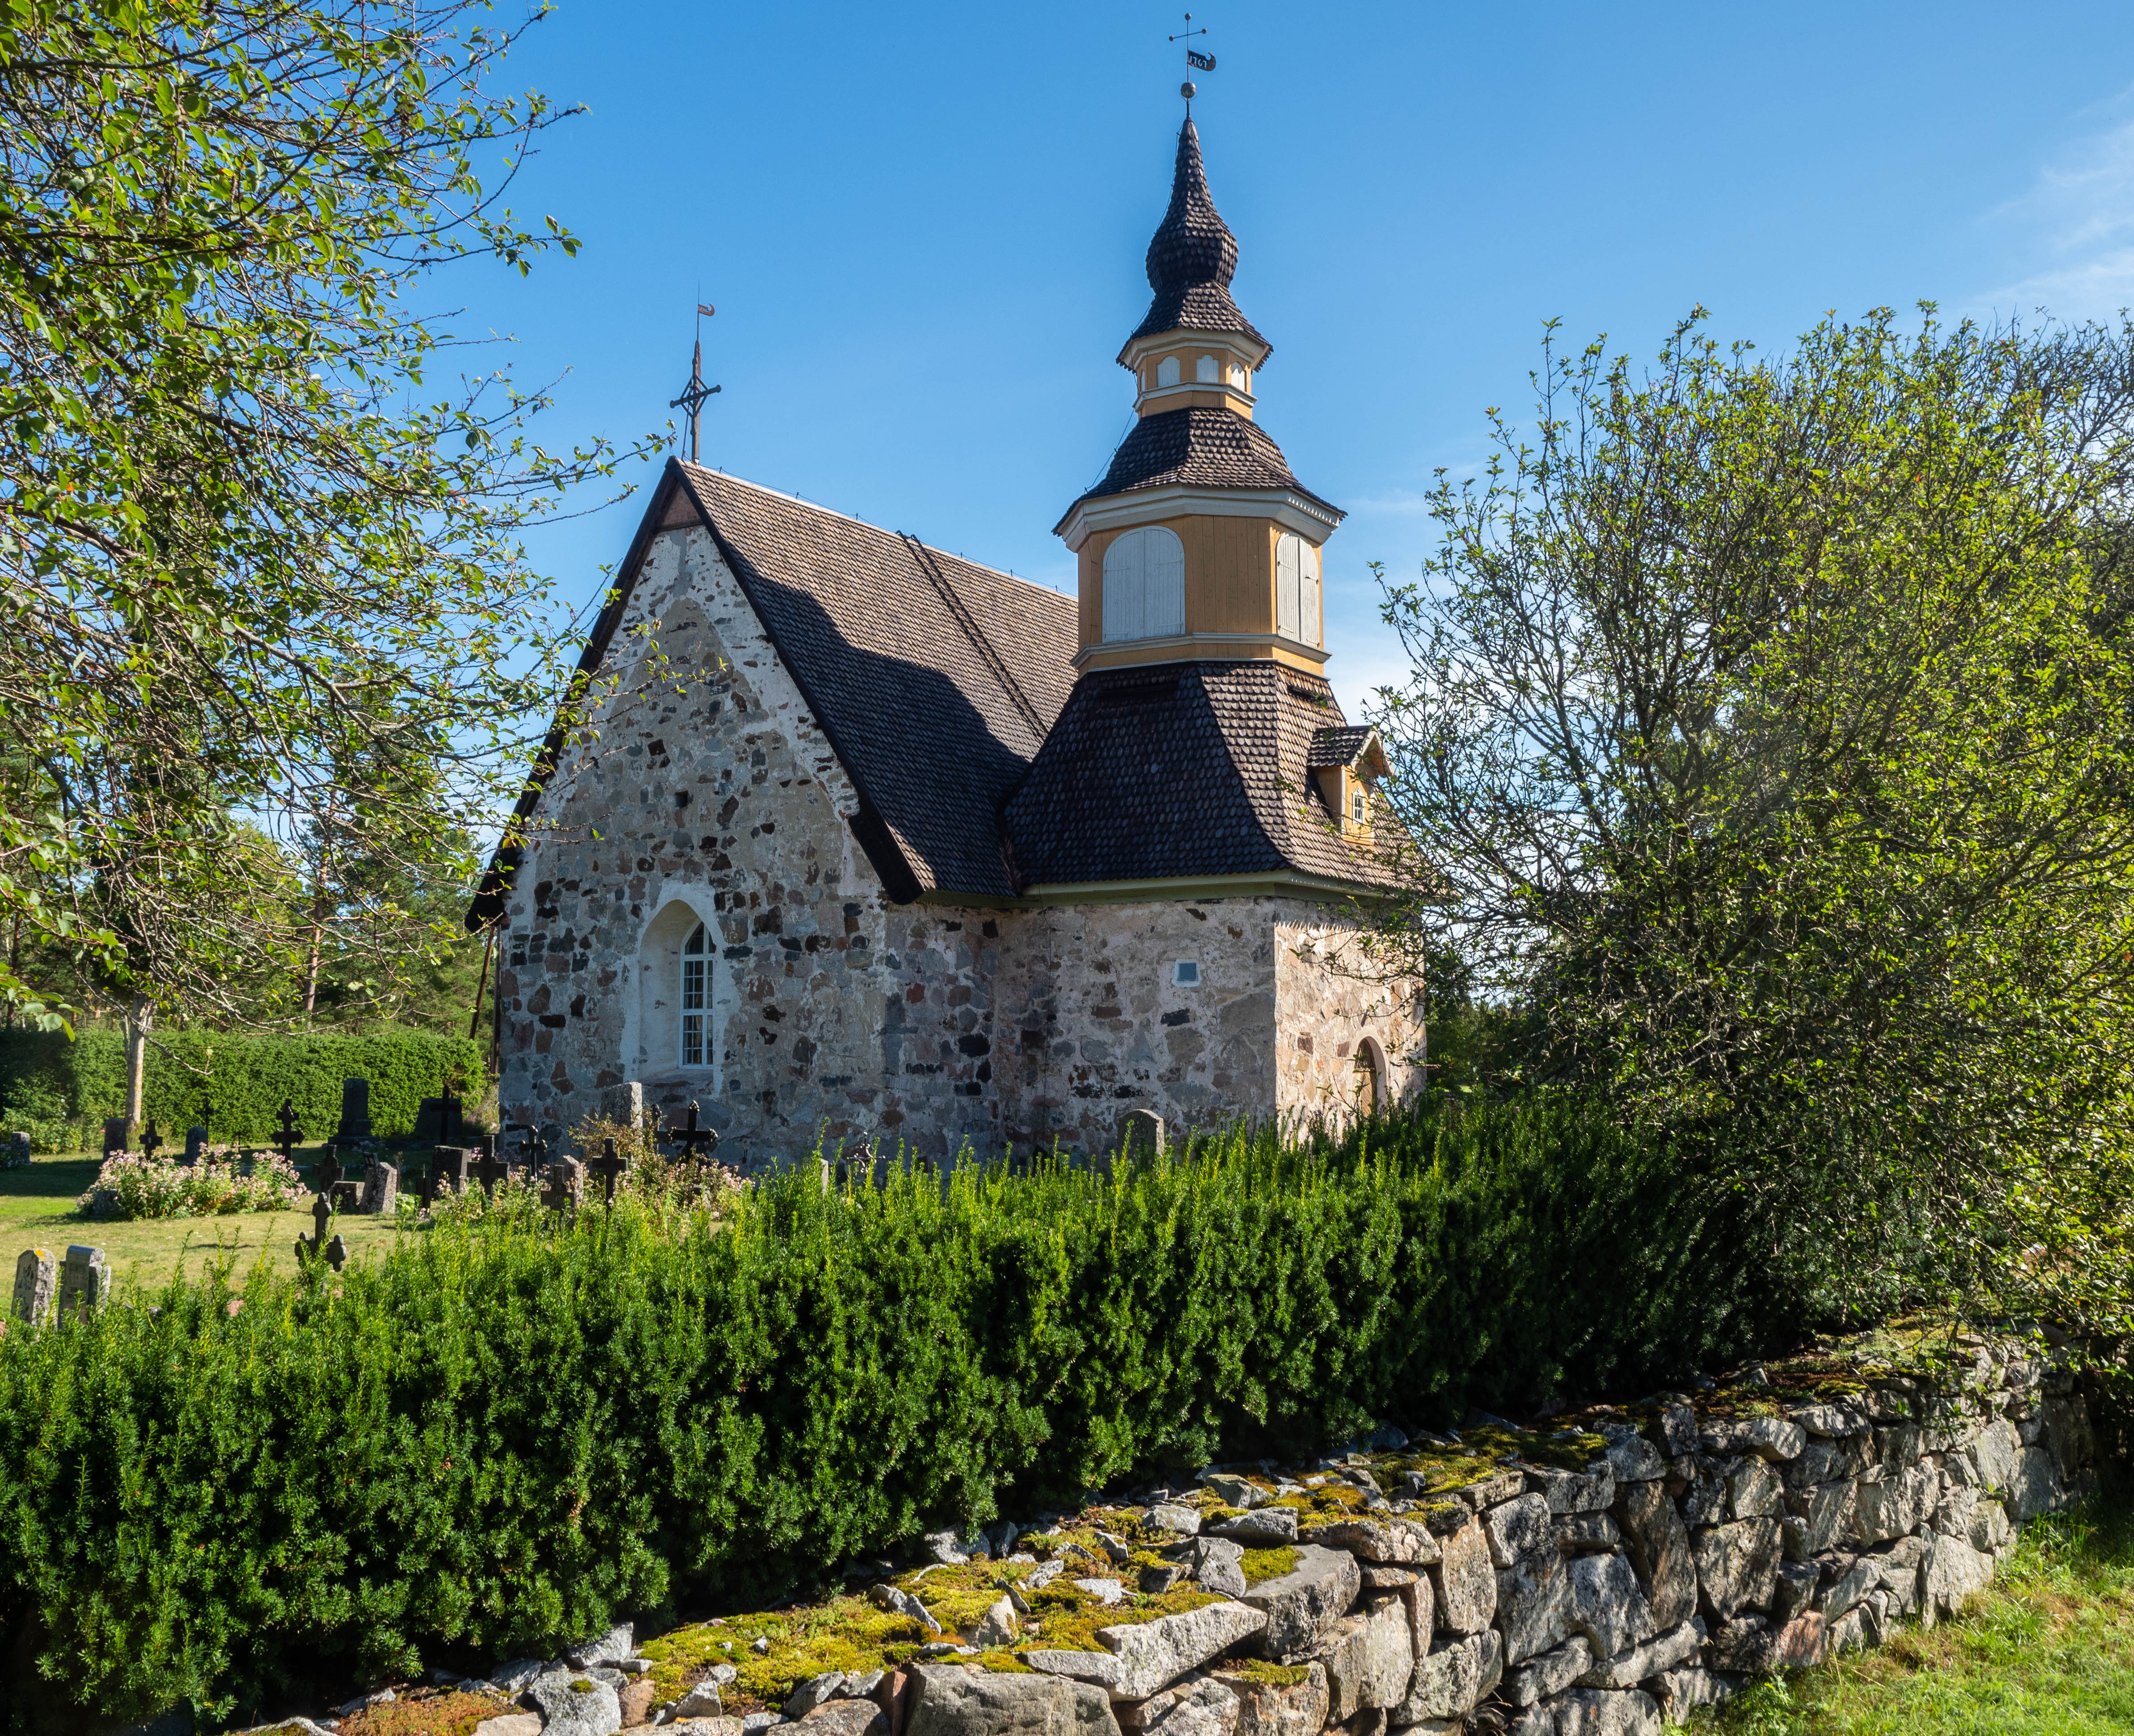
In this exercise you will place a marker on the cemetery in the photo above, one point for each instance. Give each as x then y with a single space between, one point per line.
631 1101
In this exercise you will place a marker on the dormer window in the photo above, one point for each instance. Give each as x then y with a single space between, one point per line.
1208 371
1166 371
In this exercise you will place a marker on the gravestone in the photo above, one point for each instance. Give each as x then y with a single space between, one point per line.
152 1141
1140 1132
347 1196
196 1144
437 1121
697 1144
84 1281
118 1134
381 1189
313 1246
288 1136
449 1168
609 1165
18 1151
355 1110
567 1185
489 1168
36 1279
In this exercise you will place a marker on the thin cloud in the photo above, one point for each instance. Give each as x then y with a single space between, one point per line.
2081 215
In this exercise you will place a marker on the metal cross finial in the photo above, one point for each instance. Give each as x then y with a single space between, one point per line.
1195 60
696 393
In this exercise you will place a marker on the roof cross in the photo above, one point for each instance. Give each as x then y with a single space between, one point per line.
696 393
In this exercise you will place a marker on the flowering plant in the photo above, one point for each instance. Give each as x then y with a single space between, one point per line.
135 1184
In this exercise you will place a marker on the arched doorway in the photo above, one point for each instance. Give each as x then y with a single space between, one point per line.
1369 1077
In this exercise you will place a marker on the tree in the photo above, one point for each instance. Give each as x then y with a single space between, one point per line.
1770 746
250 553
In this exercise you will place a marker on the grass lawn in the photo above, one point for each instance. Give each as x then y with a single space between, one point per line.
37 1210
2047 1651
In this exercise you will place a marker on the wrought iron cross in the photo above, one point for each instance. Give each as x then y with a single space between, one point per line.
609 1165
151 1141
291 1134
315 1245
695 394
697 1144
327 1171
491 1168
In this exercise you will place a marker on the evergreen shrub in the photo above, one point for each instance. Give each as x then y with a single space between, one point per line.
507 1432
60 1089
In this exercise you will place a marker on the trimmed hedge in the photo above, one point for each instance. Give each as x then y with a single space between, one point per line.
500 1436
63 1089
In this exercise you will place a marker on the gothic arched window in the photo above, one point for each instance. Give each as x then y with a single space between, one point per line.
1144 585
1296 588
1166 371
695 999
1207 370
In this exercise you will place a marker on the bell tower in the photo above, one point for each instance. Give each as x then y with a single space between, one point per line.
1199 544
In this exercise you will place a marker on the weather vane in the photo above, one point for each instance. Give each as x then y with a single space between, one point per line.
1195 60
694 394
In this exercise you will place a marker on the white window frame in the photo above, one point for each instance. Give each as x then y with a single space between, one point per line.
1297 590
1144 585
1185 973
694 999
1360 808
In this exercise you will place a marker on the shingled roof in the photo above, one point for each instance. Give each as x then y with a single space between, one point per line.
1198 447
1183 770
935 679
1193 256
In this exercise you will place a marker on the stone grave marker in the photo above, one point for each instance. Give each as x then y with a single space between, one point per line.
118 1134
355 1110
449 1166
195 1144
381 1189
347 1196
1140 1130
84 1281
18 1150
439 1120
36 1280
489 1168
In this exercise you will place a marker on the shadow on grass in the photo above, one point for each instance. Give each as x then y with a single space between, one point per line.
2047 1650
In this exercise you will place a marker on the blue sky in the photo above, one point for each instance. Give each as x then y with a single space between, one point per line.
923 228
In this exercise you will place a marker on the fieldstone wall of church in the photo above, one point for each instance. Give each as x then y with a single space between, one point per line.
1333 998
704 791
1093 1022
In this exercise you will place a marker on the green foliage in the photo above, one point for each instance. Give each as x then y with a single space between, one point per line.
507 1431
244 1078
1766 757
273 649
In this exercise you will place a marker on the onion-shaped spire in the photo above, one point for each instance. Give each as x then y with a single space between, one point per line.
1192 255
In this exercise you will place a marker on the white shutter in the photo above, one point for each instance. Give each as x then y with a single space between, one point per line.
1288 550
1307 594
1144 585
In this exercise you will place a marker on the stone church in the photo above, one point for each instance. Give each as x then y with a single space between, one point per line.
846 838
